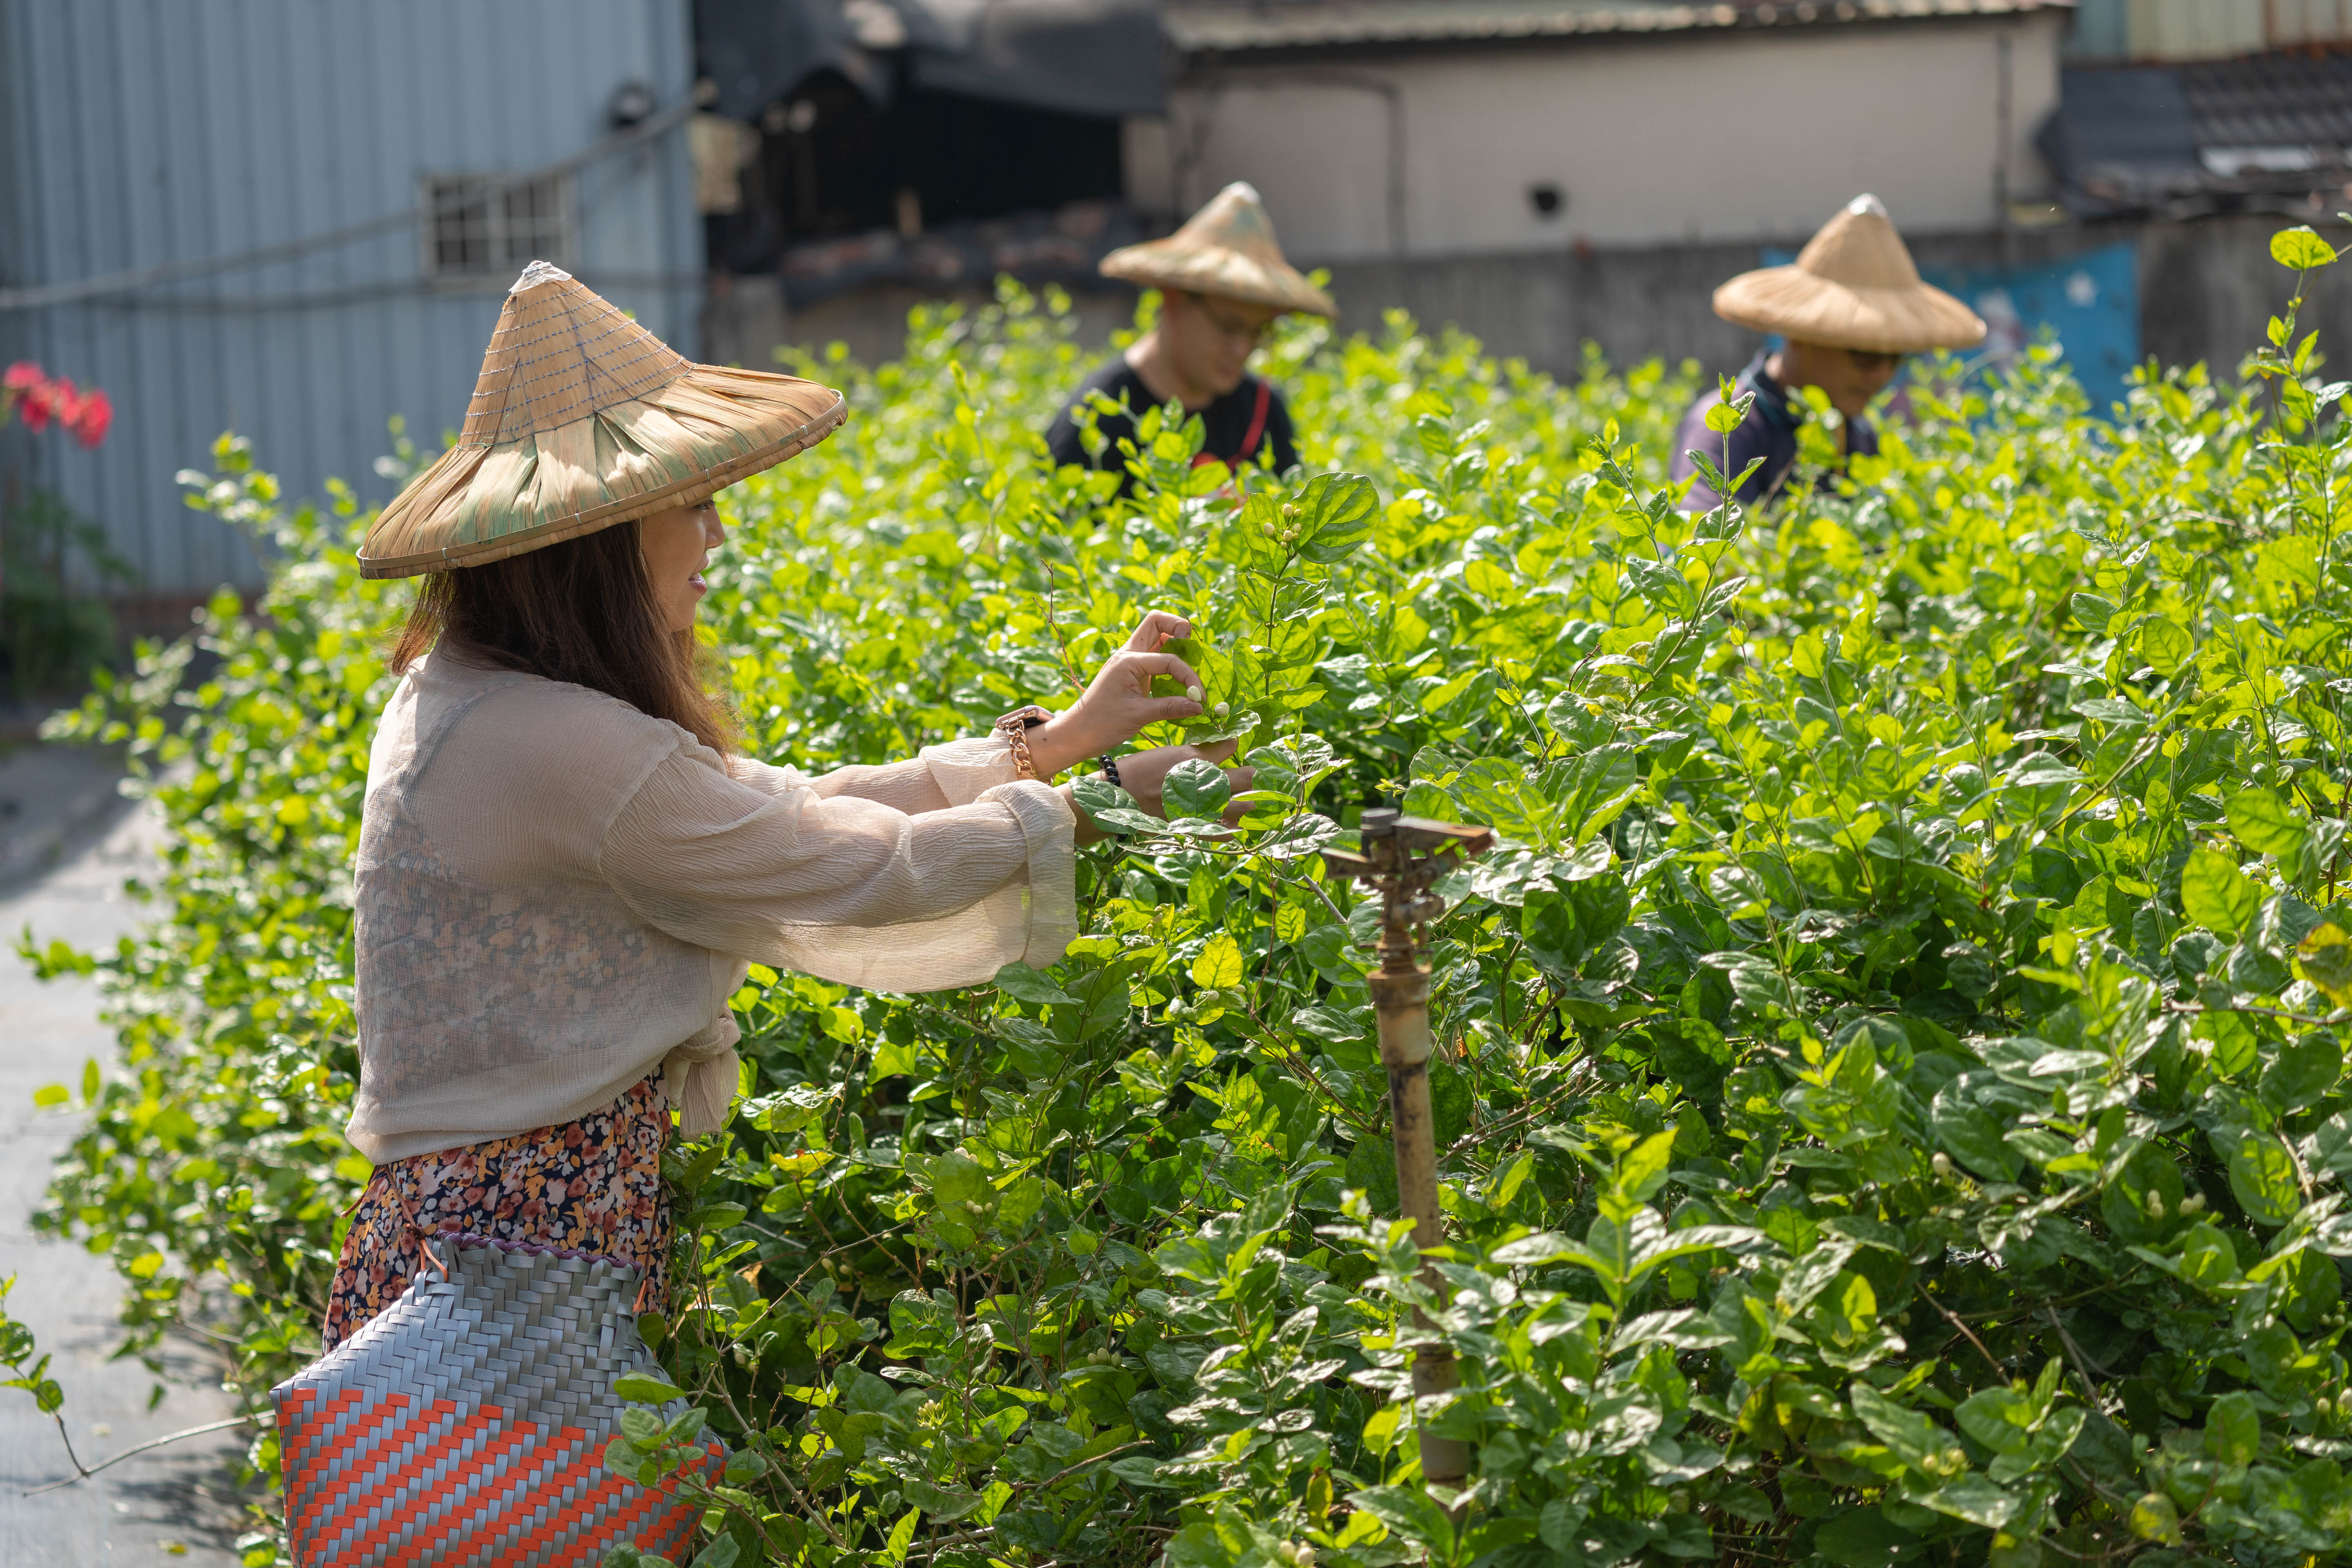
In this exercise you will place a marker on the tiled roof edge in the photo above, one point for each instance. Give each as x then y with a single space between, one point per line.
1239 28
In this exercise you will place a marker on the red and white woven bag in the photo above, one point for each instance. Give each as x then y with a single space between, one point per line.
464 1425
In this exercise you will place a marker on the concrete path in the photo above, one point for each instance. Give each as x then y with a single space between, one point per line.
66 842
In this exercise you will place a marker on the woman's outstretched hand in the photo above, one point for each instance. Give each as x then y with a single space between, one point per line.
1120 702
1116 705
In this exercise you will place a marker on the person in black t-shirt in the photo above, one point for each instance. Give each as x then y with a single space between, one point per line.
1222 281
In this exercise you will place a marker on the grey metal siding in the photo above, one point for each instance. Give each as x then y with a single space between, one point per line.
136 132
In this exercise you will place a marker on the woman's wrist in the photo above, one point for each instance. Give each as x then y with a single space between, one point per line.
1054 746
1085 832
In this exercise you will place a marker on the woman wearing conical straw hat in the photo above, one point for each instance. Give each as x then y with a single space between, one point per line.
1222 281
566 862
1849 307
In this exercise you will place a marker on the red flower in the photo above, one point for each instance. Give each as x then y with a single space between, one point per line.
27 390
93 418
36 405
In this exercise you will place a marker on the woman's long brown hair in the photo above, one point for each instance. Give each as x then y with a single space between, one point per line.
582 611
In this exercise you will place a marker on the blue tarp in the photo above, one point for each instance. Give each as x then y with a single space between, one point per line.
2089 302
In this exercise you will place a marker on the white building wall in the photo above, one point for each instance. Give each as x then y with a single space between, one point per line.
1676 139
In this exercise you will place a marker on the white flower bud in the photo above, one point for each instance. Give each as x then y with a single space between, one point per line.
1194 692
1942 1164
2156 1206
2193 1204
1223 709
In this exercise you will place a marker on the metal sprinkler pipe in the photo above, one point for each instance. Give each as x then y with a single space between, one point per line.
1403 857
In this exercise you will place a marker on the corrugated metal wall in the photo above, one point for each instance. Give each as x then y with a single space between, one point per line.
136 132
2202 30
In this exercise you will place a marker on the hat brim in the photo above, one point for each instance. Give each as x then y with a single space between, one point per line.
1911 319
676 446
1217 270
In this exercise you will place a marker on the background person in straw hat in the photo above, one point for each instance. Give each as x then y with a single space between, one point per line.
1222 281
1849 307
564 861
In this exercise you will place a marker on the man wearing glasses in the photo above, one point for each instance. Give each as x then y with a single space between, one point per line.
1222 281
1849 307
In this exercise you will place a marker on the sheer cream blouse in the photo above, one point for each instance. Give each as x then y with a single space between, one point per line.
558 893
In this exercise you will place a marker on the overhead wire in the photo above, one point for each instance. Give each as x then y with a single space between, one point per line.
136 280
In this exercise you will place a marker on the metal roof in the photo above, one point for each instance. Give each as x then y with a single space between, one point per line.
2271 100
1202 29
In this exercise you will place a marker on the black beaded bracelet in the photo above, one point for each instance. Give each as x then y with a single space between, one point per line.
1110 772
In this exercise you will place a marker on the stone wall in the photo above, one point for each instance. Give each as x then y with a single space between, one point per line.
2206 287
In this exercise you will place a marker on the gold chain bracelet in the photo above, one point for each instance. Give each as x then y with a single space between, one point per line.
1015 726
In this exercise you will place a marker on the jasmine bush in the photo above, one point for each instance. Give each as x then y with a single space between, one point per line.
1890 1095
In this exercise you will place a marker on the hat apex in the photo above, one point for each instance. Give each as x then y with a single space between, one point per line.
537 273
581 418
1227 250
1853 286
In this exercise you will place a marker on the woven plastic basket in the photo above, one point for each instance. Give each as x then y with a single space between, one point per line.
465 1423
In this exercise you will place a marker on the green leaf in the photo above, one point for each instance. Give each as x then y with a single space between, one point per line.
2093 612
1999 1418
1024 983
2264 824
1218 963
1194 788
2303 1072
1412 1513
51 1095
2262 1178
2233 1429
941 1503
2301 248
2325 958
720 1554
1974 1498
2216 894
1337 512
1969 1132
646 1388
2154 1517
1913 1439
2165 645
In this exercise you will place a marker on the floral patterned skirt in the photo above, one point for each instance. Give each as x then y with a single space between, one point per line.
592 1185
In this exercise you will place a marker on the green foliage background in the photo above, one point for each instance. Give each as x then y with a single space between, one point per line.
1891 1100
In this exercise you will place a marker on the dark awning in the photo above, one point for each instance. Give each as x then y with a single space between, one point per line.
1078 57
1101 57
759 50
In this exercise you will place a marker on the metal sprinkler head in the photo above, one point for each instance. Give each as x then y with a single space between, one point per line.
1403 857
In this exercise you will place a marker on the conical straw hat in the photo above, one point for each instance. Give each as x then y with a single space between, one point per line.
1227 250
1853 287
582 419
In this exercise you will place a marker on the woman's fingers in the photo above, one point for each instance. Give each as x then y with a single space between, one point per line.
1219 753
1157 627
1144 666
1169 710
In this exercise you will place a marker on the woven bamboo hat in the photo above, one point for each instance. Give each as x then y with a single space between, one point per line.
1227 250
1853 287
582 419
